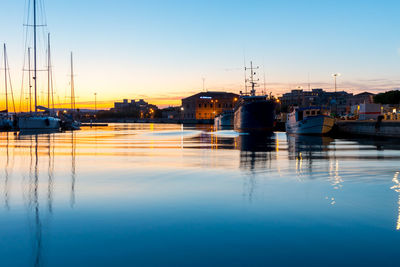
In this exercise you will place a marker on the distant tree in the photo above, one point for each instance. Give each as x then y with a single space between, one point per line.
391 97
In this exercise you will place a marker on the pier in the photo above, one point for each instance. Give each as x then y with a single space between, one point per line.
377 128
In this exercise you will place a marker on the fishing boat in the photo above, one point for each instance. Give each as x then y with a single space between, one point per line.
39 120
254 113
225 119
309 120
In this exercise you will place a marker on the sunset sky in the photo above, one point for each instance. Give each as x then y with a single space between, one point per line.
160 50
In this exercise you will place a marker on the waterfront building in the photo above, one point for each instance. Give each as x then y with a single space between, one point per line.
337 101
207 105
171 113
140 107
363 98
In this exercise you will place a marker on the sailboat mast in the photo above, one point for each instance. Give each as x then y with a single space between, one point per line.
72 85
34 52
30 81
48 71
5 75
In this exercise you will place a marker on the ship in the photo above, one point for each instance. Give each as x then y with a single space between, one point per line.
309 120
254 113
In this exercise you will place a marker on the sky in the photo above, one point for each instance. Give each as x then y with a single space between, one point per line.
161 50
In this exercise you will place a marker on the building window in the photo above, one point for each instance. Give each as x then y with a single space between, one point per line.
219 105
211 105
199 105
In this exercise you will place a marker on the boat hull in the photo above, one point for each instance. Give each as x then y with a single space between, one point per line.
257 116
36 123
5 124
316 125
224 120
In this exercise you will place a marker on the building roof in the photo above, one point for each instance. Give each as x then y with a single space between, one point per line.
364 93
212 95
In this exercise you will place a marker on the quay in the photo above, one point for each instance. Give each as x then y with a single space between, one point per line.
378 128
94 125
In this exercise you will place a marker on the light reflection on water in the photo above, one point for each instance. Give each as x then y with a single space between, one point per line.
145 194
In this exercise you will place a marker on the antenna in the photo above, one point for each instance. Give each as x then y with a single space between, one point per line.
252 80
309 85
204 80
265 89
245 74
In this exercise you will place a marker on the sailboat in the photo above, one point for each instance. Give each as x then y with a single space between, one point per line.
5 120
68 121
44 120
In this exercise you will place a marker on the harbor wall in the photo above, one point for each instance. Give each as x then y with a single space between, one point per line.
371 128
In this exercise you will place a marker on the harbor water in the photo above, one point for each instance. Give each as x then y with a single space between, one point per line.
169 195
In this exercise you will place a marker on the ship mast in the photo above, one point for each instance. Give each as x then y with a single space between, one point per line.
72 85
30 81
48 71
252 80
5 75
35 53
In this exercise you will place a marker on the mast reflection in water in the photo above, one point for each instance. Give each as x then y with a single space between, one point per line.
149 194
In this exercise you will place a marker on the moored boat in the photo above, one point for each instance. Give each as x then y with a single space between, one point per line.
309 120
36 122
39 120
225 119
254 113
5 122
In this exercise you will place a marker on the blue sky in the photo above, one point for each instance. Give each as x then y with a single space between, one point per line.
161 49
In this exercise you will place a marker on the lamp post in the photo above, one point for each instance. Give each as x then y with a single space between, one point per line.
95 102
335 76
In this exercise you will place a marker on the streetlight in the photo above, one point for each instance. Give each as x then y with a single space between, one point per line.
335 76
95 102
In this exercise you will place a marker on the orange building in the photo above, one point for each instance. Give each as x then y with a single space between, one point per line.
207 105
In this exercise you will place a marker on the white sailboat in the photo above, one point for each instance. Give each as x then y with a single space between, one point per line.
39 121
5 120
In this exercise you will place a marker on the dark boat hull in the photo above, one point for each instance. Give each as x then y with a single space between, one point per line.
257 116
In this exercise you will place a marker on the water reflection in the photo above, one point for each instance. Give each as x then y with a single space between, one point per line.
157 181
34 205
255 150
396 188
41 146
309 147
7 171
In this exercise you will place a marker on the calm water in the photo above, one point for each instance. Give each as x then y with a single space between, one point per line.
157 195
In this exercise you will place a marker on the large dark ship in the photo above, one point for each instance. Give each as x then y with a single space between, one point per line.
254 113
